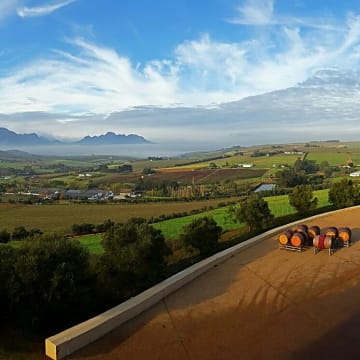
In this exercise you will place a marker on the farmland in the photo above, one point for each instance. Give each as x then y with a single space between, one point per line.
279 206
173 228
60 218
158 189
215 175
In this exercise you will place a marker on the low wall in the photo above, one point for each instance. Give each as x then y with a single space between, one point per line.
72 339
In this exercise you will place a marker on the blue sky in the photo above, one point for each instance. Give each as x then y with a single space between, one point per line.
74 58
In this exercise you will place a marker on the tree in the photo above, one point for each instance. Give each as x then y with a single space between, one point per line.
203 234
19 233
52 281
308 166
125 168
134 258
85 228
301 198
290 178
254 211
343 193
148 171
325 168
4 236
7 263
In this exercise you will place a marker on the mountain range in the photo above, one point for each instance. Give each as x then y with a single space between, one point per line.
8 137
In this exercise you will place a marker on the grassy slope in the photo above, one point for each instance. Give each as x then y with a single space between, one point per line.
172 229
259 162
279 206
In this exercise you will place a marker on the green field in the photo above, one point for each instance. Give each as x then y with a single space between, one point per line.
92 242
266 162
333 158
279 206
172 229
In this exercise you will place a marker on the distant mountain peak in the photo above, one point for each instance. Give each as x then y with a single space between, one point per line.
8 137
110 138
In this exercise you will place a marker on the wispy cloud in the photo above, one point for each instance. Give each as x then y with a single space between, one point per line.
42 10
262 13
255 12
91 78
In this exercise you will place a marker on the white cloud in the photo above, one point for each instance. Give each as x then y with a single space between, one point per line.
261 13
42 10
95 79
255 12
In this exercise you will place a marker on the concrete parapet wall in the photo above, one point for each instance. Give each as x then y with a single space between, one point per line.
65 343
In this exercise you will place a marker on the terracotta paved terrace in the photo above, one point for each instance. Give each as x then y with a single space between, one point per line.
263 303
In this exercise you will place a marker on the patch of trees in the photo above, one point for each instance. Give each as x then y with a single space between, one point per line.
290 178
343 193
88 228
163 188
44 285
258 153
304 172
148 171
19 233
308 166
51 282
125 168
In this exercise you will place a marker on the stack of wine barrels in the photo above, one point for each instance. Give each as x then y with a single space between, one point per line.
303 235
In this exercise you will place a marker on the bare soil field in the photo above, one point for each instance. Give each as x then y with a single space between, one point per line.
264 303
60 218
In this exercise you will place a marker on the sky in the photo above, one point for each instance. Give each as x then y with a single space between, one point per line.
66 66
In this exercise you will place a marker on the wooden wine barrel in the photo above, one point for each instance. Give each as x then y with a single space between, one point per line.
323 242
332 232
313 231
344 234
285 237
301 227
298 239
